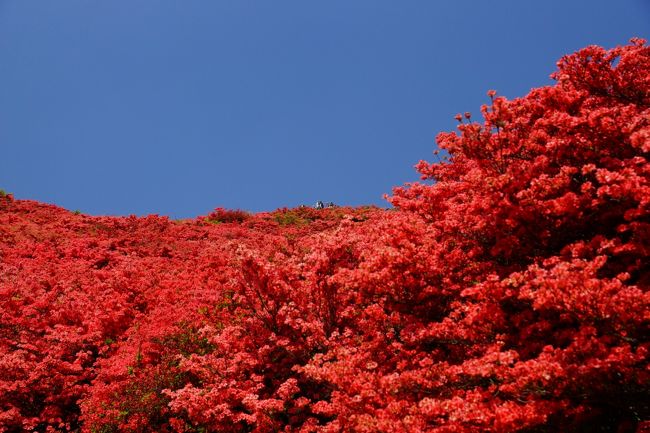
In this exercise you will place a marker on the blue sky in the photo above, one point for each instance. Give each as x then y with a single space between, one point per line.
177 107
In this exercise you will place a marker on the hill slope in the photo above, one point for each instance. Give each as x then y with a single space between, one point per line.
508 291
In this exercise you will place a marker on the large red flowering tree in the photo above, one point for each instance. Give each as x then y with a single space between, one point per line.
508 291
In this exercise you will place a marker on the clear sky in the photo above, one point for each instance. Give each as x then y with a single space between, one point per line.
177 107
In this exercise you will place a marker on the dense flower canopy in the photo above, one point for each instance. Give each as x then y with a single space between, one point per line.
508 291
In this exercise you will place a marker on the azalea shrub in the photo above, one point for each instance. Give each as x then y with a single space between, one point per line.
221 215
508 291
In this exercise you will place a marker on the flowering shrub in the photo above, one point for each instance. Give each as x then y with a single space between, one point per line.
506 292
221 215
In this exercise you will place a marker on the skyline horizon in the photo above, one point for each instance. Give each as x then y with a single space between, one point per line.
140 109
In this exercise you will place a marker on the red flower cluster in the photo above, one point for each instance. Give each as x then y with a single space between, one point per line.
509 294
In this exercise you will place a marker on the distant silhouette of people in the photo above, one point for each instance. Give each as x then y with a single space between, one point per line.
320 205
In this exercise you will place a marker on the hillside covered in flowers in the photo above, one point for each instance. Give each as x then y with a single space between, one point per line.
508 291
